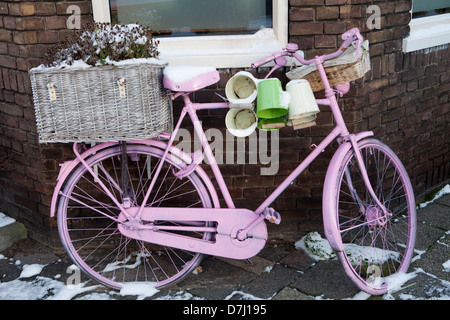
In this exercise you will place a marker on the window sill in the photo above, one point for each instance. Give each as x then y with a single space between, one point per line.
428 32
220 51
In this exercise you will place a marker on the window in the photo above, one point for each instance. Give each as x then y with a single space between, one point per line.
199 17
224 34
429 26
424 8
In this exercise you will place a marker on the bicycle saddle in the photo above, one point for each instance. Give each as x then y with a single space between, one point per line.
189 78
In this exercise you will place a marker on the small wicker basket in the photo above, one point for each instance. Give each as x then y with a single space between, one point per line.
109 103
337 72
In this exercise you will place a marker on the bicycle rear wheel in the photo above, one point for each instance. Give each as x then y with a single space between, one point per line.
377 246
86 217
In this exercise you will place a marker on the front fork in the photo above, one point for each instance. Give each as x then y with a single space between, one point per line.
365 177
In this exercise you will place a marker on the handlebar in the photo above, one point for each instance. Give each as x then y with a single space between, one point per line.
270 58
290 50
350 36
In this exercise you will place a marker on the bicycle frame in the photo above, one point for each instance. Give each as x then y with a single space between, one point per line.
191 108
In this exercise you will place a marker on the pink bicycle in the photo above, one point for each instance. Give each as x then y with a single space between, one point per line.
145 211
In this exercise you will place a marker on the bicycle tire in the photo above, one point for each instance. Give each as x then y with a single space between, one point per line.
377 246
94 242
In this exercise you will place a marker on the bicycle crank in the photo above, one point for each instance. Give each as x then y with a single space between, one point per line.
169 227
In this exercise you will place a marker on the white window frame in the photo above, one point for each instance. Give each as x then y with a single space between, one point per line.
427 32
234 51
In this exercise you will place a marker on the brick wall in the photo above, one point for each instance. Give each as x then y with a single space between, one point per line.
404 100
28 29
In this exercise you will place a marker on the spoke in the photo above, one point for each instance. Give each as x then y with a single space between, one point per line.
370 236
92 208
91 218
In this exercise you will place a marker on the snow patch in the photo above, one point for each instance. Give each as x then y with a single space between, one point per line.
31 270
244 296
446 266
319 249
142 290
442 192
182 74
316 247
5 220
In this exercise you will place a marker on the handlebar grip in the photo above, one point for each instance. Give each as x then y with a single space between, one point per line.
353 35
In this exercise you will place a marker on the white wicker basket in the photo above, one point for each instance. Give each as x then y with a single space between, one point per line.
110 103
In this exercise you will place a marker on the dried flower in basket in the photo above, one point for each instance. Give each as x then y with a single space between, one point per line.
98 44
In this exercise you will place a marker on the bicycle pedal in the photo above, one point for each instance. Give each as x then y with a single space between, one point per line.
272 216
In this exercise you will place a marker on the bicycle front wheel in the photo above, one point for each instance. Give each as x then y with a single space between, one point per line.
87 217
377 245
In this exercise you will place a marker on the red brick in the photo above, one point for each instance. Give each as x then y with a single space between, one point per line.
22 99
306 28
380 36
7 61
11 109
45 8
325 41
15 134
3 48
56 22
9 22
386 7
27 9
401 6
327 13
25 37
393 91
30 23
4 8
306 3
25 202
301 14
48 36
335 27
335 2
352 12
5 35
14 9
13 50
392 115
398 19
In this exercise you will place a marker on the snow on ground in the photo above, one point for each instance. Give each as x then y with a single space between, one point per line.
319 249
5 220
30 285
443 191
